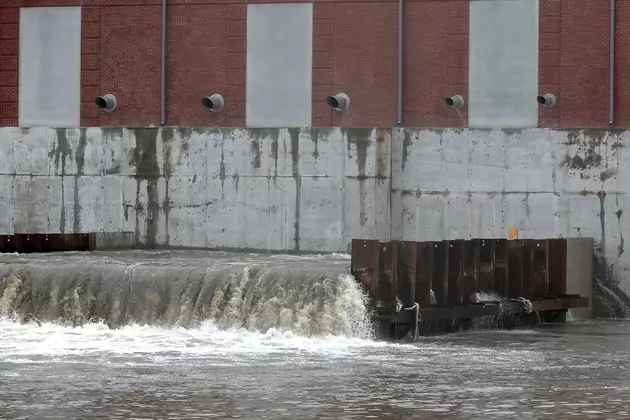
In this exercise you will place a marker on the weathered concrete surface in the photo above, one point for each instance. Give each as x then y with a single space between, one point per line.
449 184
316 189
270 189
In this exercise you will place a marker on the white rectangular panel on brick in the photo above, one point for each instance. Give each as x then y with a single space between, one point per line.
279 64
50 66
503 63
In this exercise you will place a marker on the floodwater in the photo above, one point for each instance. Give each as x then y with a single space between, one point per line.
306 354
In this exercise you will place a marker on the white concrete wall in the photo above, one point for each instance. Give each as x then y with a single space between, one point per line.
279 64
316 189
276 189
50 66
459 184
503 63
580 273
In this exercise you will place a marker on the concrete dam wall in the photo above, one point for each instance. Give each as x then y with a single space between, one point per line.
314 189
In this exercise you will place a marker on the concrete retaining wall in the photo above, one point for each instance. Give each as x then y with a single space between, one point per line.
316 189
278 189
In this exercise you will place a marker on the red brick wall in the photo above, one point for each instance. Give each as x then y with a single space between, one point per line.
129 51
622 64
9 49
206 55
549 56
574 62
354 51
436 62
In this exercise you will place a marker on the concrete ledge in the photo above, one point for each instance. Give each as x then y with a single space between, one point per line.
100 241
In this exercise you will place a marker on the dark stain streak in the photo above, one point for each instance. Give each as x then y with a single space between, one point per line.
114 170
168 134
528 209
145 159
254 146
418 193
168 172
80 161
255 136
607 174
222 168
295 170
383 136
591 159
274 156
60 153
315 139
235 179
602 216
619 213
405 150
361 139
126 210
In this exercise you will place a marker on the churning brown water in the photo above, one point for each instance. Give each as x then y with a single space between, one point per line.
191 335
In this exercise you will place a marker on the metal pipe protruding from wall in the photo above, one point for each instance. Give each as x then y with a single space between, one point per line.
214 102
611 119
547 100
340 102
163 87
456 101
106 102
401 34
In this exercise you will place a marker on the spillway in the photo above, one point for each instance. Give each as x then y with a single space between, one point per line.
308 296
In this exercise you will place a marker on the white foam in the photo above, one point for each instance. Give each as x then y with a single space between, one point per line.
23 343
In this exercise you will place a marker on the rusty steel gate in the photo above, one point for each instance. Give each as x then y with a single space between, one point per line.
413 284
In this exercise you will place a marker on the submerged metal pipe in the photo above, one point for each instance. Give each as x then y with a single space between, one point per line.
612 63
163 87
401 15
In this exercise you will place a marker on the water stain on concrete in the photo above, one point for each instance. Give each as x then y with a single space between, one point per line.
360 138
274 156
616 145
602 215
61 150
256 136
315 139
59 153
405 148
79 158
254 145
167 148
144 157
235 179
383 139
607 174
407 142
168 133
619 213
222 168
591 159
294 133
